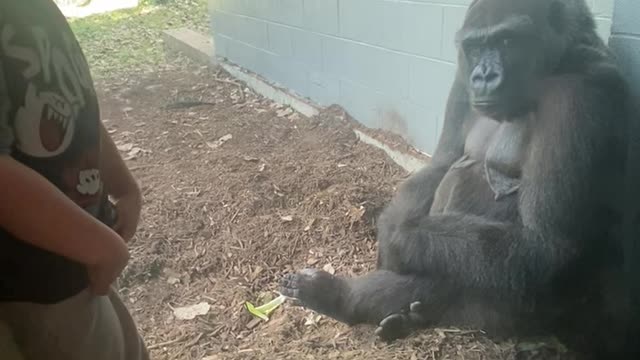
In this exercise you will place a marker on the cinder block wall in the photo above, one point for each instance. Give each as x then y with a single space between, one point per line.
625 39
389 63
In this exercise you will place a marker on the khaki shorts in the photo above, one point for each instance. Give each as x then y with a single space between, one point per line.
8 348
80 328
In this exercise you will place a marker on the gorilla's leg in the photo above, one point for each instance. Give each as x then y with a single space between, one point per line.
381 297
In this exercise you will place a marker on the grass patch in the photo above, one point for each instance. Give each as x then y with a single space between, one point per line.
130 40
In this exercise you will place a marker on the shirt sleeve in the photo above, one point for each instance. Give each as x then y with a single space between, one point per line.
6 130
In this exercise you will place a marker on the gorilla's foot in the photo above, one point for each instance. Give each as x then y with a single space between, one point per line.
316 290
400 325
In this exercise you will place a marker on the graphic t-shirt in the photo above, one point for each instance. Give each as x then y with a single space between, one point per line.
49 121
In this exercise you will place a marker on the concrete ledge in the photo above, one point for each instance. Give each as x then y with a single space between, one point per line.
192 44
407 162
200 48
270 91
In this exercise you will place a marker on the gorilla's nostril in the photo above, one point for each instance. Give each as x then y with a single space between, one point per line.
491 77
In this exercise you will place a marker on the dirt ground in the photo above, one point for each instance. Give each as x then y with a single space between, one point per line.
223 220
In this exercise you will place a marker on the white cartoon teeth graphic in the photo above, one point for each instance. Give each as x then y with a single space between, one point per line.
45 124
88 182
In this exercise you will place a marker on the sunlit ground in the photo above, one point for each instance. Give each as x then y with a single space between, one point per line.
96 7
124 41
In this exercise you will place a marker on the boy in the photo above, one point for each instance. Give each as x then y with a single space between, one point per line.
62 244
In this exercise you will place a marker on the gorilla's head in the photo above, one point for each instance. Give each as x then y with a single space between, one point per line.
508 47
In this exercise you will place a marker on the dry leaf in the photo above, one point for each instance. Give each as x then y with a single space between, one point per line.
294 117
288 218
134 152
329 268
356 214
284 112
312 261
313 221
251 158
216 144
262 167
312 319
191 312
125 147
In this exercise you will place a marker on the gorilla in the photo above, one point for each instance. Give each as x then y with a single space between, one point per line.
511 227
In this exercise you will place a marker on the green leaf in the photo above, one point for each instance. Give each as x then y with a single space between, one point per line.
263 311
255 312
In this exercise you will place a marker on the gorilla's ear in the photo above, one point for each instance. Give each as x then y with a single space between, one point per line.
557 16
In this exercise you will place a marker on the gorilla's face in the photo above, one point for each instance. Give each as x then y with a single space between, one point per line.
506 52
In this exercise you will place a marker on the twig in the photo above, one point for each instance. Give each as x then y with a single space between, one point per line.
170 342
194 341
224 81
187 104
134 168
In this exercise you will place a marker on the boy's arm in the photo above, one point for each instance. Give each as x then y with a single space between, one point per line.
121 185
35 211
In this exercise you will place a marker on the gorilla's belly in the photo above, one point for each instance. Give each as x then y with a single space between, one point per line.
465 190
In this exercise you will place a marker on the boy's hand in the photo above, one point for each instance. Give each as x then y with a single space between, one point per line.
105 273
128 215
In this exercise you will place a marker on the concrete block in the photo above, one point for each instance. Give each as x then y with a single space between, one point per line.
321 16
603 8
424 126
375 109
627 49
293 75
222 23
189 42
221 45
626 17
378 68
287 12
324 89
280 41
404 26
452 22
246 56
430 82
251 31
307 48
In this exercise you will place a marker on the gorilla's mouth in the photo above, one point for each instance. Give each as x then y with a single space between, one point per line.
487 107
53 127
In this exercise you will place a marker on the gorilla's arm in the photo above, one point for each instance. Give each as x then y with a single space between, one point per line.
418 191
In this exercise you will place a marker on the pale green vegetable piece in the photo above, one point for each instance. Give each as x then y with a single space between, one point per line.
263 311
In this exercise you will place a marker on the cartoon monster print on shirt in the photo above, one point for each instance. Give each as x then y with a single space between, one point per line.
53 121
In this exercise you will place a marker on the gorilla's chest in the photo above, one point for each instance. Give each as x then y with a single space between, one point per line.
500 148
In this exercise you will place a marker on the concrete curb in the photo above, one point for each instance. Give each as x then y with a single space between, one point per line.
201 48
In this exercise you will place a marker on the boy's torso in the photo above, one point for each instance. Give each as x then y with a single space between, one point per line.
54 115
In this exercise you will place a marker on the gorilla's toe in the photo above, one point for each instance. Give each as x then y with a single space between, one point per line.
393 327
400 325
309 287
